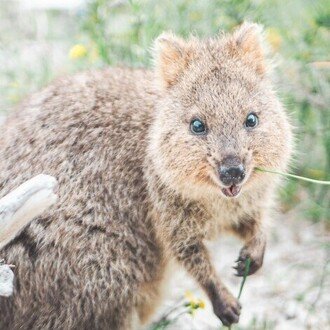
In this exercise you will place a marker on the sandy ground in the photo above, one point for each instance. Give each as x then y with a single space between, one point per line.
291 291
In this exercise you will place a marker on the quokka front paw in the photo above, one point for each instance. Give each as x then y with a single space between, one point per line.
227 309
256 256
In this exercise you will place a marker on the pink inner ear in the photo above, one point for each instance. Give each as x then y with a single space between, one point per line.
170 65
172 57
249 45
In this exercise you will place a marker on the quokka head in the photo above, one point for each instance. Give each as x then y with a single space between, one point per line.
218 117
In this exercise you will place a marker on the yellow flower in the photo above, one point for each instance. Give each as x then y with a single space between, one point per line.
77 51
274 38
193 302
201 304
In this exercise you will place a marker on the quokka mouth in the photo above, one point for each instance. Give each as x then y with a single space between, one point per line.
231 191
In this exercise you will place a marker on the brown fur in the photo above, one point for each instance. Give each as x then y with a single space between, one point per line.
137 189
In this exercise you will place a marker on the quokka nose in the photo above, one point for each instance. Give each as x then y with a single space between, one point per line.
231 171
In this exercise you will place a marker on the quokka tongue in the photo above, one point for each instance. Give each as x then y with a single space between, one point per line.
234 190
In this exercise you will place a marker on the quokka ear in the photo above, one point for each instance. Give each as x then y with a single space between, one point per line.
172 55
248 44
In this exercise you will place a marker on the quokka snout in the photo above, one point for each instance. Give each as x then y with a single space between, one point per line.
150 165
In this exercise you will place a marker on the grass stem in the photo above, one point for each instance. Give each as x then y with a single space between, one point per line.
302 178
246 272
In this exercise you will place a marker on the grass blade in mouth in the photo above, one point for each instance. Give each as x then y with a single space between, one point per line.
297 177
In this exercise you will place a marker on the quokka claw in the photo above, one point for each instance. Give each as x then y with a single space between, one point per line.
256 263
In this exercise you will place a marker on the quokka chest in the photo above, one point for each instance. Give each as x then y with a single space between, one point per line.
224 215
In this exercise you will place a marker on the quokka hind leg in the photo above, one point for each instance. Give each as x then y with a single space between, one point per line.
123 318
148 302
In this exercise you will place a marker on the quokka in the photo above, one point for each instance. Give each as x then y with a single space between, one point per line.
150 165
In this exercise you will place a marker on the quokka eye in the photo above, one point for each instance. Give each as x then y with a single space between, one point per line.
197 127
252 120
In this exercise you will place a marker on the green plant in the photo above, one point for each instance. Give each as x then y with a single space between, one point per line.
246 272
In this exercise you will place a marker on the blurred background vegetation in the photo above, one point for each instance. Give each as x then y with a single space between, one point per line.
43 39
